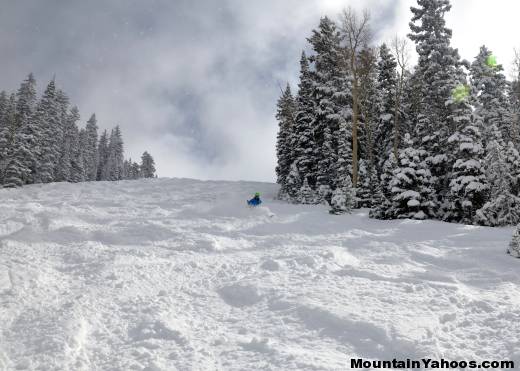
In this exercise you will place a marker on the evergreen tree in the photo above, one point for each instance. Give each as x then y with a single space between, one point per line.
382 203
127 164
91 158
292 184
3 106
364 191
503 207
330 98
284 146
468 185
18 144
21 149
369 107
114 167
409 194
386 87
306 195
326 175
16 172
303 137
6 120
135 171
147 168
47 121
102 156
512 159
25 101
82 144
77 171
437 74
62 167
489 88
343 198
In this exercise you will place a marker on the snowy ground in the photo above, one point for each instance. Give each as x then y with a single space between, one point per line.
180 275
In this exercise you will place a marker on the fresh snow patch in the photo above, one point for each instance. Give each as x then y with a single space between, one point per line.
178 274
239 295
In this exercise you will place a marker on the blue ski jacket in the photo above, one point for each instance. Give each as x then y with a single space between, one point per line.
255 201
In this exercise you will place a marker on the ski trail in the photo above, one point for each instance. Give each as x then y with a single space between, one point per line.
77 354
177 274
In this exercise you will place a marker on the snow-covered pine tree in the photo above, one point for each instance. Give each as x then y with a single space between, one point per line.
25 130
514 102
16 171
114 168
379 202
293 183
513 113
22 148
306 195
91 158
490 88
330 98
102 156
5 133
304 146
62 167
82 139
364 191
410 103
25 101
127 164
147 166
3 105
503 207
14 147
77 171
48 122
135 171
284 147
369 108
344 197
326 174
409 193
512 159
468 185
386 87
437 74
382 203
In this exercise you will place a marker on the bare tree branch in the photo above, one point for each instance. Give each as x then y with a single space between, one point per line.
356 35
401 51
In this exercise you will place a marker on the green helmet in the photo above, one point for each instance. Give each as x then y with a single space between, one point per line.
257 194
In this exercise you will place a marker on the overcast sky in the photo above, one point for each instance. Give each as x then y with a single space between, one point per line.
195 82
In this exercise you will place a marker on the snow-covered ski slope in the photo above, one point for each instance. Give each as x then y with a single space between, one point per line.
175 274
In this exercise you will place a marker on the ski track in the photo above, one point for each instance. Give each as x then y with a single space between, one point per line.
178 274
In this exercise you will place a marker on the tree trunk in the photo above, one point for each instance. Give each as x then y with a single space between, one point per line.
354 134
396 121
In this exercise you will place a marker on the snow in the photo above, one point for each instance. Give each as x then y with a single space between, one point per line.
177 274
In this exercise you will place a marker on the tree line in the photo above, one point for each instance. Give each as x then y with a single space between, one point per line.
41 142
436 140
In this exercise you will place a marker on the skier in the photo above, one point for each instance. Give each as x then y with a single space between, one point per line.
255 201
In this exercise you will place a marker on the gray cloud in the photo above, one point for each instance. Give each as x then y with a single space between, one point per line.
194 82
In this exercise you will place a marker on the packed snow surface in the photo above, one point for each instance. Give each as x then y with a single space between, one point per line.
176 274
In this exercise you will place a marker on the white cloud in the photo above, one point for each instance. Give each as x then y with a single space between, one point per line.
196 82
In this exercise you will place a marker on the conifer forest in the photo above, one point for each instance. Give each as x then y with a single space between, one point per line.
435 140
41 142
